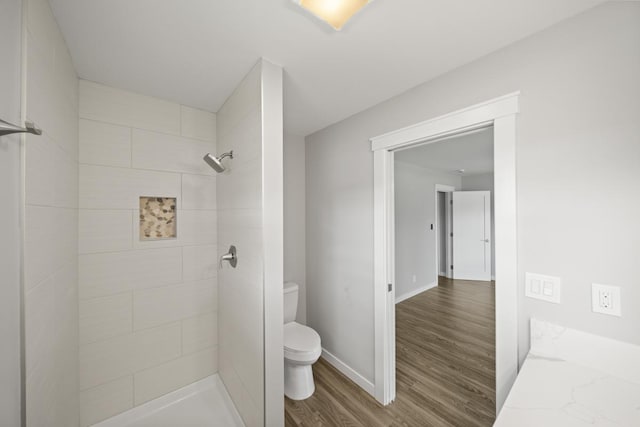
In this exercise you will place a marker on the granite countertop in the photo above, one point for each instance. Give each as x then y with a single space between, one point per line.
572 379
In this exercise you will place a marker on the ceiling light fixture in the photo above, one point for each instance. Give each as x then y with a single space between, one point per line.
335 12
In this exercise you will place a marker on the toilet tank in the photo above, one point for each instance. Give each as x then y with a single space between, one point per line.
290 301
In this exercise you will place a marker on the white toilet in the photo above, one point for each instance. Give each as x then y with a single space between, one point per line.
301 349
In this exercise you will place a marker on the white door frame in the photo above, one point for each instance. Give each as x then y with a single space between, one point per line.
444 189
501 113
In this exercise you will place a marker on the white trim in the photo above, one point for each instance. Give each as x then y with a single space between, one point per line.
149 408
415 292
501 112
466 119
348 372
444 189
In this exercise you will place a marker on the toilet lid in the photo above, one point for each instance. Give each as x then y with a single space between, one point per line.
300 338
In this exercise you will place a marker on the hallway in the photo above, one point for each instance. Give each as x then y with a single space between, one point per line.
445 349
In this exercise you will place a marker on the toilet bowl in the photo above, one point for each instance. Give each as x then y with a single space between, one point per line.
302 348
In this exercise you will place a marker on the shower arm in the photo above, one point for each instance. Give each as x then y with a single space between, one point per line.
7 128
229 155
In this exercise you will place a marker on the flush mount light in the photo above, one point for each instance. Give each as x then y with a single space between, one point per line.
335 12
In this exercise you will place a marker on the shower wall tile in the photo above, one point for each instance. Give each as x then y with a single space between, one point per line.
50 224
242 187
199 192
244 99
103 187
115 272
193 227
51 241
162 379
198 124
199 262
152 307
104 230
104 144
106 400
162 152
105 317
199 333
107 360
143 304
116 106
239 203
245 139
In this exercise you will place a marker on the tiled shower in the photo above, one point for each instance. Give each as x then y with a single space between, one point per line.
124 223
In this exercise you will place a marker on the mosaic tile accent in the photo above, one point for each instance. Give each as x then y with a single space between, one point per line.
157 218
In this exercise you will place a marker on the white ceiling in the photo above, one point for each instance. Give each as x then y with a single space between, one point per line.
472 152
196 51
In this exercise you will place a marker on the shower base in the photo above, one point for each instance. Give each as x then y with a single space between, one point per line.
203 403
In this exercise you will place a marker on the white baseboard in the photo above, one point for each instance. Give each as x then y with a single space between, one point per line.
421 289
361 381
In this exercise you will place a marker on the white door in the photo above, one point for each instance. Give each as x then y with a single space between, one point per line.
471 235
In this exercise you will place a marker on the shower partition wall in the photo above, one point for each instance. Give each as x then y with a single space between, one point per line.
250 217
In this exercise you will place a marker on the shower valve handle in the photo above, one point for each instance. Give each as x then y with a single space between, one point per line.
230 256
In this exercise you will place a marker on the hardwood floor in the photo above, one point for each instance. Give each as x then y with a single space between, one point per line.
445 367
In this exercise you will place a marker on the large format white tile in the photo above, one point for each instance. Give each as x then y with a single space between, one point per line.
104 144
51 241
111 273
162 379
106 400
245 139
157 306
103 187
107 360
241 187
158 151
198 124
199 262
198 192
104 230
39 325
194 227
246 98
107 104
105 317
199 333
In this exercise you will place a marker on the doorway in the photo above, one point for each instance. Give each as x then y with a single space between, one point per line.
445 333
501 114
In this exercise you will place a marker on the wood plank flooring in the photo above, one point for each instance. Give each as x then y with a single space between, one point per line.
445 367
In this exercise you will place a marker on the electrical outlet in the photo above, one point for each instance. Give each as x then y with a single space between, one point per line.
606 299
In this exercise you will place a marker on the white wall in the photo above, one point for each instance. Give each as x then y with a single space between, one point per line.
578 194
241 290
415 211
51 224
148 309
10 247
294 219
484 182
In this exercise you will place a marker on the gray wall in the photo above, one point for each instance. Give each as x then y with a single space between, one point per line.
10 18
294 219
484 182
577 153
414 213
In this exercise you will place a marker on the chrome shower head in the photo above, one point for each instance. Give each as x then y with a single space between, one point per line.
216 162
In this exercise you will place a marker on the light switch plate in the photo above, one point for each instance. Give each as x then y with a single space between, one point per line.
542 287
606 299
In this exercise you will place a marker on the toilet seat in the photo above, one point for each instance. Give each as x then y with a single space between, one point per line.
301 343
